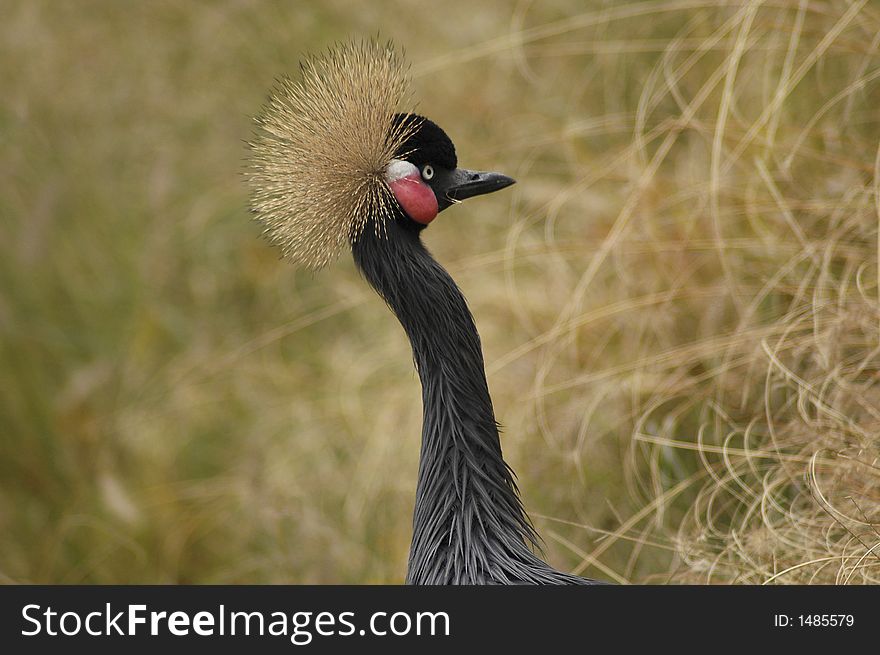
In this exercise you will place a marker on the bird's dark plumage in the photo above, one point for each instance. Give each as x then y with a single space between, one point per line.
469 525
428 143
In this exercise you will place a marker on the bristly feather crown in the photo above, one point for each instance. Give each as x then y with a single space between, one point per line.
318 158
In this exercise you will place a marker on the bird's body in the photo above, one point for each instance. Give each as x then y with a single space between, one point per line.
469 525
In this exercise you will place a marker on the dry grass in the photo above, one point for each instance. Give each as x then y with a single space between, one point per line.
678 301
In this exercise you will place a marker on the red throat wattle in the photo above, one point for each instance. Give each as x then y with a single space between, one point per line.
416 197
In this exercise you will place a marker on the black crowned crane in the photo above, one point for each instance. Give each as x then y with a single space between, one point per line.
335 163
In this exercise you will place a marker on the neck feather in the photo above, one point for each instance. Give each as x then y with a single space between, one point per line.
469 524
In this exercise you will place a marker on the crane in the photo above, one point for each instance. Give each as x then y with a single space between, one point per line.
333 163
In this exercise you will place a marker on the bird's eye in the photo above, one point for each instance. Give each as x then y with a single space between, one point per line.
427 172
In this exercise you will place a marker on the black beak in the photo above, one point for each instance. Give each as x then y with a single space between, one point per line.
467 184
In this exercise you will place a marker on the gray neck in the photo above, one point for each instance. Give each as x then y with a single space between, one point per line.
469 525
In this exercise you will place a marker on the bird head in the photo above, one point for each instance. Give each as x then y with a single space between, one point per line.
424 175
333 153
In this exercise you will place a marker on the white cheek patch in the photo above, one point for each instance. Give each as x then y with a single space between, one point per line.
398 169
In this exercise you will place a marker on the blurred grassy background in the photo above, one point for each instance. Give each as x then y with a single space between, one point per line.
678 301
